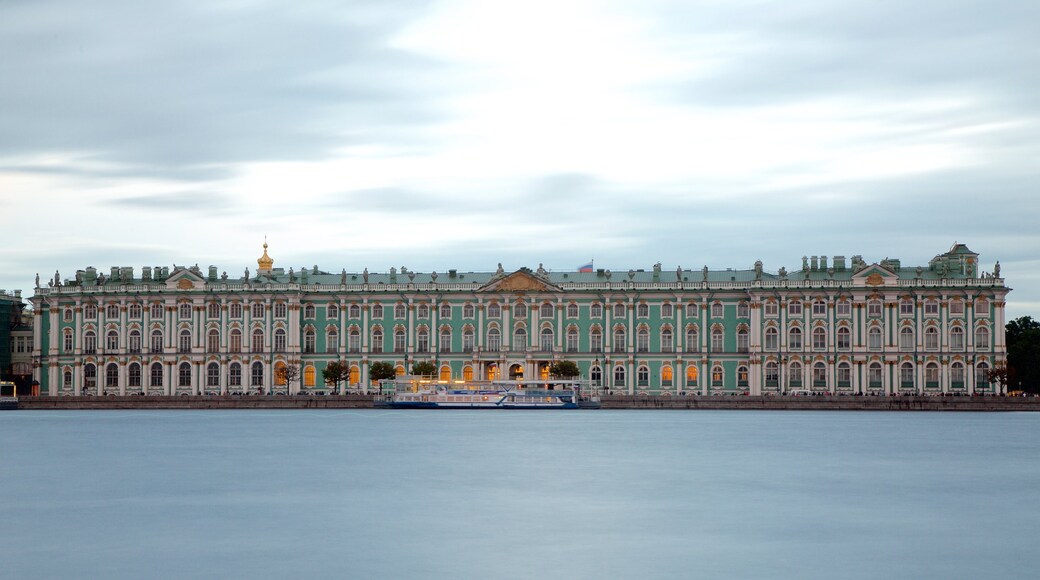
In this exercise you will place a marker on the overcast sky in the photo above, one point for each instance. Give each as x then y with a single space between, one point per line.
460 134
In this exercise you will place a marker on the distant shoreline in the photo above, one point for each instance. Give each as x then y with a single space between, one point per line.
695 402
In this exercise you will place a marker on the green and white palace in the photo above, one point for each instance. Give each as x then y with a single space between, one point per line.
832 326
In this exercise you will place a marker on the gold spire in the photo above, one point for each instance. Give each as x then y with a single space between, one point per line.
265 262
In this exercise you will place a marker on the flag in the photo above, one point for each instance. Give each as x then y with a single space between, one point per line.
586 267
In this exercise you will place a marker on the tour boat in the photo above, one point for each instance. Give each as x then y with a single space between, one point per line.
421 393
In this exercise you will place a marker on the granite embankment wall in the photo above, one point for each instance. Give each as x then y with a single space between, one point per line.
609 402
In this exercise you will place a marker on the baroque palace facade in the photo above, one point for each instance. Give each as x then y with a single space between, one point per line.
833 327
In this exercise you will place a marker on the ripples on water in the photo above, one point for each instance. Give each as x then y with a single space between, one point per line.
537 494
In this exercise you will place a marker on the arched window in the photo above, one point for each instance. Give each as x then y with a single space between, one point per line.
308 311
258 310
619 310
331 339
112 312
399 311
643 340
89 342
666 376
235 340
112 341
156 375
716 310
844 375
874 308
235 375
906 375
422 340
467 310
667 340
667 310
906 306
642 376
400 340
111 376
772 374
692 339
743 310
957 375
494 310
572 339
743 340
619 339
67 340
89 376
844 338
332 310
742 376
770 308
184 343
494 340
236 310
445 374
445 311
279 340
467 339
377 311
520 310
596 310
354 311
874 375
716 340
794 308
135 311
931 376
957 338
931 338
691 376
519 338
467 373
308 340
377 340
596 375
982 375
643 310
981 338
596 339
874 338
280 310
819 339
354 340
256 374
819 307
157 341
355 376
906 338
716 377
423 311
134 375
572 310
546 310
213 340
184 375
212 375
619 376
90 311
309 376
258 340
184 310
794 338
819 373
794 379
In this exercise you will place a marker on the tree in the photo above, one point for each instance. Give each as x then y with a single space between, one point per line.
1023 346
288 374
424 369
564 369
335 373
380 371
1002 376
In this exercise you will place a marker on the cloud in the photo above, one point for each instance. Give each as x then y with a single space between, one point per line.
191 202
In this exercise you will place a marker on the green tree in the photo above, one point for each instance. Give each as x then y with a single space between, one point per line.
380 371
1023 344
335 373
424 369
564 369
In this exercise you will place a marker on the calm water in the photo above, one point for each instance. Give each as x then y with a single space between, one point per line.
472 494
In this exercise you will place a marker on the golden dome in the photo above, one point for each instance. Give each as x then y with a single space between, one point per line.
265 262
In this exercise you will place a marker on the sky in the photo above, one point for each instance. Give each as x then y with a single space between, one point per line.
464 133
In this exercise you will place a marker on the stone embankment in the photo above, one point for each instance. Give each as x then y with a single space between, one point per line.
777 403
